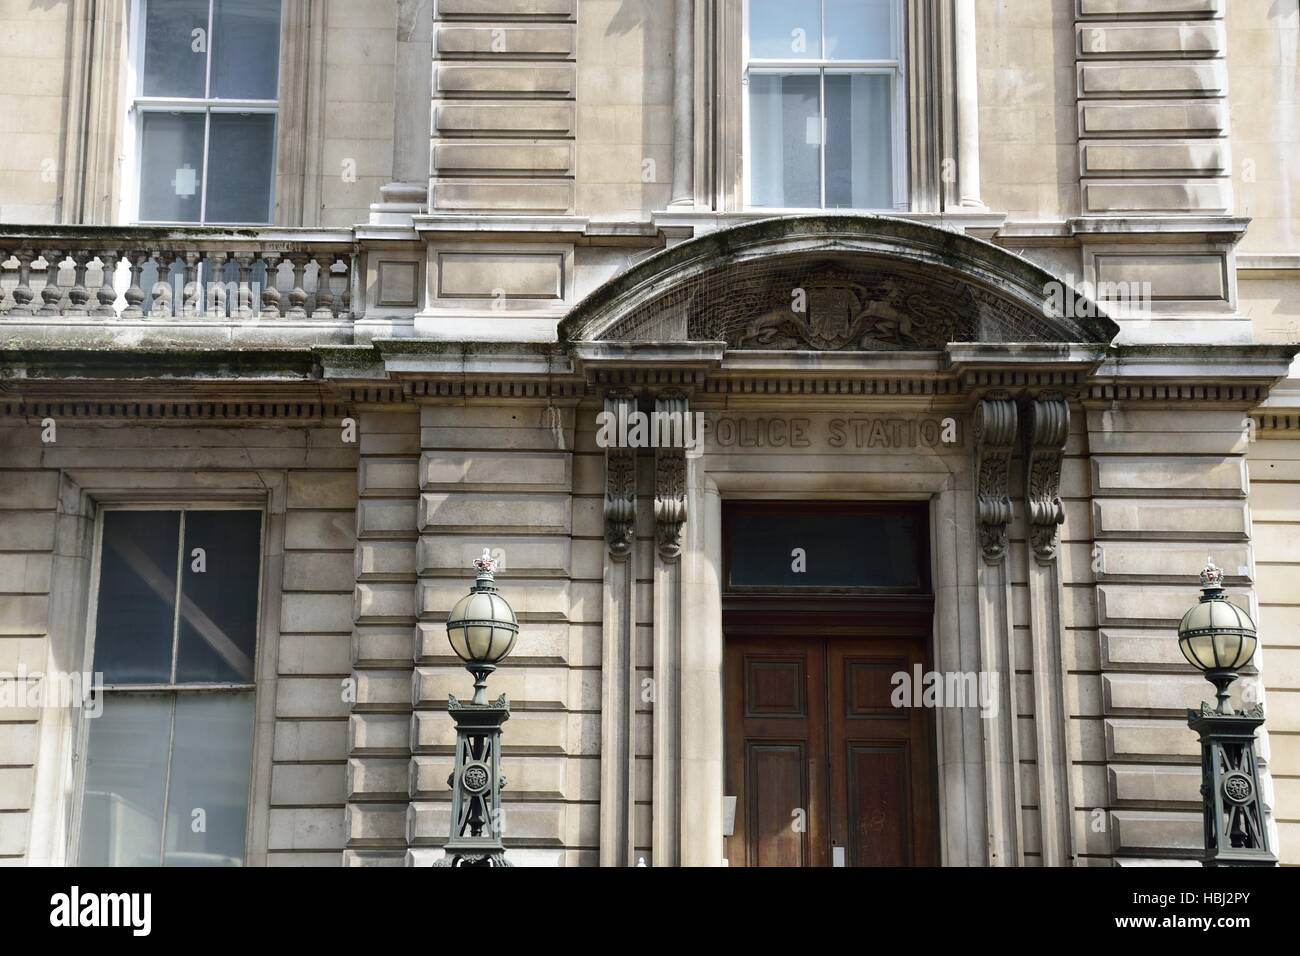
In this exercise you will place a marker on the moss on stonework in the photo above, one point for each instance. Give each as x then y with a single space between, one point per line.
188 362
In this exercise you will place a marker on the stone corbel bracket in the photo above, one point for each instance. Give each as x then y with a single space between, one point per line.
1047 425
673 409
995 425
620 480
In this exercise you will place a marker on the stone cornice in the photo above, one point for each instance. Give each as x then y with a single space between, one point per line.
402 370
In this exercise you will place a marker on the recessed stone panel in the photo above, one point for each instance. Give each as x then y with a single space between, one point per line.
494 275
1155 784
499 195
1134 8
505 40
1148 831
1208 77
477 78
1208 196
506 8
541 472
1138 738
1151 39
1171 475
541 157
1170 519
1208 158
487 119
532 555
459 512
1177 117
1151 695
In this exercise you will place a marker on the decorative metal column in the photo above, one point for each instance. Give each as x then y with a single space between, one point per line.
1219 638
482 631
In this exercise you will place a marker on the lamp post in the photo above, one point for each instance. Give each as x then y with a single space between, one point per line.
1218 638
482 630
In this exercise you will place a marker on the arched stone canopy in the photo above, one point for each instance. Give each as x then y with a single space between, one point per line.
836 283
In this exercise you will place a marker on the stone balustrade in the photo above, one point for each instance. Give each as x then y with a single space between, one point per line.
177 275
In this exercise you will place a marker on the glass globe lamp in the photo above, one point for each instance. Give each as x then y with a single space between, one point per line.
482 627
1216 636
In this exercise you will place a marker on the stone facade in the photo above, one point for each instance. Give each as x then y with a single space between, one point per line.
496 220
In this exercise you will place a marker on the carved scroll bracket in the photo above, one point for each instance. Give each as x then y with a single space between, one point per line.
1047 425
620 480
995 439
672 409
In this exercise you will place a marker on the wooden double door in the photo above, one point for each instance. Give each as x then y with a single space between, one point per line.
824 768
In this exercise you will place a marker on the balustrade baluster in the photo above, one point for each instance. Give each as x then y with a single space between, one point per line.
192 290
244 297
324 294
345 298
271 292
22 293
216 285
106 294
134 295
52 292
163 304
78 295
298 295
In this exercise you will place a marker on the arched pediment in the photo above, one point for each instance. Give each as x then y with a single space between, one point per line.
835 283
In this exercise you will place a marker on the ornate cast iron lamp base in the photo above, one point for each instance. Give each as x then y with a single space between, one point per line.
1234 816
476 782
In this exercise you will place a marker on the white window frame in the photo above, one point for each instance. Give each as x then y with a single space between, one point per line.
82 728
138 104
821 66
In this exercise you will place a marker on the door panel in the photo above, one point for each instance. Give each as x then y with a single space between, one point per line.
879 804
776 783
881 800
776 737
811 727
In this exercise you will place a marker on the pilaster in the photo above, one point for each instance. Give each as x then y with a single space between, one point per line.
619 686
670 511
1045 429
995 430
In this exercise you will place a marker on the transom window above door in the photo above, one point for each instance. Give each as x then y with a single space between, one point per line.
823 114
204 109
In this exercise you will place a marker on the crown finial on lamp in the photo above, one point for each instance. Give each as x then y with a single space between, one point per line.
1211 577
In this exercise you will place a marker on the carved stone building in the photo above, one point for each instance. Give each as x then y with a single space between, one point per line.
986 314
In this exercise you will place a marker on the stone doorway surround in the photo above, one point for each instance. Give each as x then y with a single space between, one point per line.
826 323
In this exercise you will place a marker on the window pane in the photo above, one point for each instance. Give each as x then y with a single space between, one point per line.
242 155
245 49
845 549
126 778
859 141
211 762
218 620
137 596
785 29
171 167
860 29
172 64
785 139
